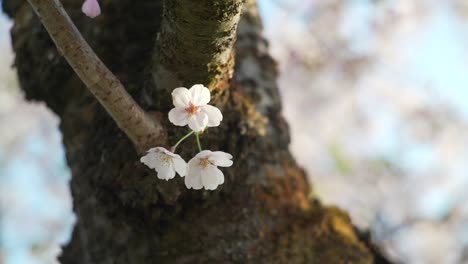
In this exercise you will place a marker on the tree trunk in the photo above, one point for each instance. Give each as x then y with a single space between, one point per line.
263 213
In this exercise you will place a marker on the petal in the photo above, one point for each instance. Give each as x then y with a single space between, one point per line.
91 8
221 159
178 116
167 152
193 177
200 95
166 172
220 177
150 160
181 97
214 115
158 149
193 182
202 154
198 121
180 165
212 177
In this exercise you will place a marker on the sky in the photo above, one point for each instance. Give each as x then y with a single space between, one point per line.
435 55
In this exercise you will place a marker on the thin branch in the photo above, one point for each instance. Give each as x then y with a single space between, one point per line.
143 130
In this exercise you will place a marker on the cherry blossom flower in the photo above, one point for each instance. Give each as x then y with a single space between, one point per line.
191 107
165 163
91 8
203 171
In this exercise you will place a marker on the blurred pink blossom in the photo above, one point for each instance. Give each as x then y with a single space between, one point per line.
91 8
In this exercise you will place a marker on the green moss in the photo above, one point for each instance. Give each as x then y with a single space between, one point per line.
195 43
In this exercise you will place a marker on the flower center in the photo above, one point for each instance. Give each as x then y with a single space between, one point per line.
166 159
192 109
204 162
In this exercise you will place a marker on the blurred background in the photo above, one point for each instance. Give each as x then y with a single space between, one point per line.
375 92
35 203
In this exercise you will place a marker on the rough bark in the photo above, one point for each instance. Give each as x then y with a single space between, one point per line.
262 214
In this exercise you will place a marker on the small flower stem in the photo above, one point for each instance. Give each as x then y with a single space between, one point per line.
198 142
182 139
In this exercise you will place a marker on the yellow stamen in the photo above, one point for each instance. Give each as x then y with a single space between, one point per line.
204 162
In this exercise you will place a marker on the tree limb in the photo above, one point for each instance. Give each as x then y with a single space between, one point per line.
195 42
143 130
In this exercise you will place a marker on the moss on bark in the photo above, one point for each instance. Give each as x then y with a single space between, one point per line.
195 44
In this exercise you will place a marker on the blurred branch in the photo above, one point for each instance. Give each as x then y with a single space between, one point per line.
143 130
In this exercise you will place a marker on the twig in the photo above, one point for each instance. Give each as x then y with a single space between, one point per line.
143 130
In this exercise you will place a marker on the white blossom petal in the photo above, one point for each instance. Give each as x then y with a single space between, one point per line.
198 121
178 116
203 154
220 177
214 115
193 182
181 97
180 166
221 159
202 171
91 8
164 162
193 177
150 160
166 172
212 177
200 95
